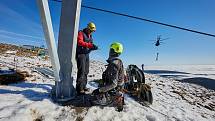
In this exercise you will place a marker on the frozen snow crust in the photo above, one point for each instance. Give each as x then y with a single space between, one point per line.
173 100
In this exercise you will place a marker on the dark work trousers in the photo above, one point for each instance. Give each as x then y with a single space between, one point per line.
83 70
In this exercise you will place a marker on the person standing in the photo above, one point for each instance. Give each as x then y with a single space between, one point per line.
84 46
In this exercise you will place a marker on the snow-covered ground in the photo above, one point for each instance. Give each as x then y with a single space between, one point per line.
203 75
173 100
184 71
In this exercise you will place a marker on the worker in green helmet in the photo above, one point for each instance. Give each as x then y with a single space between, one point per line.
113 76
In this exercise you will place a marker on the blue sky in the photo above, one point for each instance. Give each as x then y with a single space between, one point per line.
20 24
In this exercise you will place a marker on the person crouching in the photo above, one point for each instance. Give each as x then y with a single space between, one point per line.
113 76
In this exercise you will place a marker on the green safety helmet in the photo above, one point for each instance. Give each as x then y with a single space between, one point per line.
117 47
91 26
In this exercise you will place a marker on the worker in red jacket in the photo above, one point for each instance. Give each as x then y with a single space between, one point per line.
84 47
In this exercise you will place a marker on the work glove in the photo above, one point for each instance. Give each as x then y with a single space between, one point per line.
96 92
94 47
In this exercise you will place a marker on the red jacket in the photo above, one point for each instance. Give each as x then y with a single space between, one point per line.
81 41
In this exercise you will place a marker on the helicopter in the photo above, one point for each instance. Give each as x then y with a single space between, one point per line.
157 43
159 40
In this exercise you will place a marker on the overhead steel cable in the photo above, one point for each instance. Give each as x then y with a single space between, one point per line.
144 19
